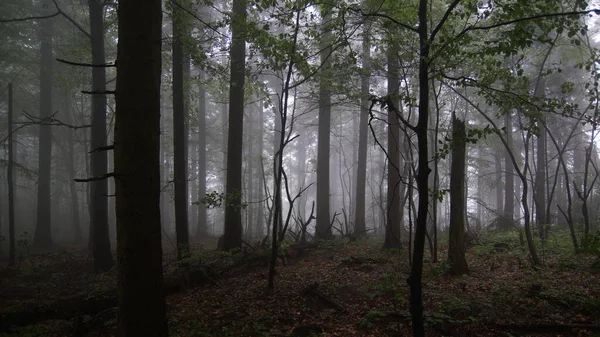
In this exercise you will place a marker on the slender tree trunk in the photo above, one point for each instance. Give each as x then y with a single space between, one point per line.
360 227
233 215
393 209
202 230
509 179
140 290
456 248
498 185
323 230
261 182
103 259
180 160
541 175
43 234
416 273
250 166
71 167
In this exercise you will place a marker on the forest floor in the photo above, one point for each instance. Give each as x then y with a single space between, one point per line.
342 288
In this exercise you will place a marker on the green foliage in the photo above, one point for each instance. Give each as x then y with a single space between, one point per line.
438 270
591 244
215 199
472 137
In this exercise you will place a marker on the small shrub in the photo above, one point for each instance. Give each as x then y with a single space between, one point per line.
591 244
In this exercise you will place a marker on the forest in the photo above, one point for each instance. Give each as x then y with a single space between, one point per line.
299 168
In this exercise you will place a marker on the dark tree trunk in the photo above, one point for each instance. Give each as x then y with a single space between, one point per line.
250 174
103 259
540 174
261 182
71 165
509 180
360 227
456 244
233 215
416 273
393 209
322 229
142 310
202 230
43 233
10 181
498 186
180 159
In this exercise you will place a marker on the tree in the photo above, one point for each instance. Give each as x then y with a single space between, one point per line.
233 216
140 292
456 243
99 234
43 233
202 229
10 181
323 230
393 209
180 111
360 228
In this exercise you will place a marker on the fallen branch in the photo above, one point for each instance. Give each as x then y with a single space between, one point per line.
312 289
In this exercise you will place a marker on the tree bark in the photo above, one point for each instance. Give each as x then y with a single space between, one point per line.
456 244
360 226
10 181
142 310
180 160
233 215
416 273
322 229
393 209
43 233
103 259
202 230
509 179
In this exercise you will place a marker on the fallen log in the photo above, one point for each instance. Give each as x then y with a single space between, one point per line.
547 327
76 306
312 289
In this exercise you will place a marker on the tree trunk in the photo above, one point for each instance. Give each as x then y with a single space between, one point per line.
142 310
43 233
202 230
416 273
180 160
322 229
360 227
393 209
71 167
509 180
261 182
10 181
103 259
456 244
233 215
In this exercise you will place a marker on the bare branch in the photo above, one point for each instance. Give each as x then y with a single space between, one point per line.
50 121
99 178
387 17
71 20
28 18
105 65
103 148
443 20
99 92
